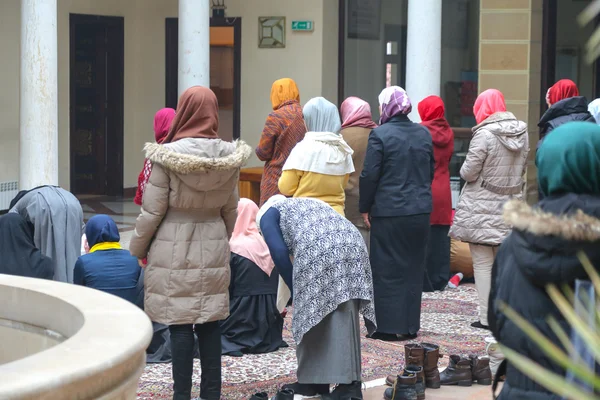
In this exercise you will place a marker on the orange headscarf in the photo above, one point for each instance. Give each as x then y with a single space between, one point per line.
247 241
197 116
283 91
489 102
563 89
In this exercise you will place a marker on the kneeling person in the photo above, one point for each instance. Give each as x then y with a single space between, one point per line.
107 267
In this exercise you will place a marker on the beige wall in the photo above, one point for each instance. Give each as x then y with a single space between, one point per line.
309 58
510 55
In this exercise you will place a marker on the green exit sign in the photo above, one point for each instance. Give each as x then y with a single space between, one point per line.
302 26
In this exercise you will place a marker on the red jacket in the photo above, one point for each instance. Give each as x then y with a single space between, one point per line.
443 147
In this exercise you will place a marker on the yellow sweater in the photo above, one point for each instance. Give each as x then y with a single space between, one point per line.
328 188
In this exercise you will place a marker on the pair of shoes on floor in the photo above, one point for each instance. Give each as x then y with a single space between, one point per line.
351 391
288 391
421 359
479 325
283 394
464 371
391 337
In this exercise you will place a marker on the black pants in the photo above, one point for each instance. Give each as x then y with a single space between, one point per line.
437 263
182 349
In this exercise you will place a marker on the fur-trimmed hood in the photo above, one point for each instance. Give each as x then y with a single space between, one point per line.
547 239
188 156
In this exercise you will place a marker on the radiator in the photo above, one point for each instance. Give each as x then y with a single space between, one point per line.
8 191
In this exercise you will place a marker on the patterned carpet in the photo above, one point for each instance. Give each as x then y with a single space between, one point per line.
445 320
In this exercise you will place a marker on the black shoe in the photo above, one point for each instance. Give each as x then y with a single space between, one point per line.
306 389
260 396
284 394
345 392
284 345
479 325
403 338
386 337
234 354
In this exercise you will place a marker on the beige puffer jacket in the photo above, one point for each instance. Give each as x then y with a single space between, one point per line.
188 214
493 170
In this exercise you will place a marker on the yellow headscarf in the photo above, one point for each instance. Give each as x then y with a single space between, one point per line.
284 90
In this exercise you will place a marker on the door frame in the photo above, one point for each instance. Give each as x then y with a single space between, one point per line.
114 101
172 62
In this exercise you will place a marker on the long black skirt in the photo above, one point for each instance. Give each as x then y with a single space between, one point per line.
437 264
398 248
254 325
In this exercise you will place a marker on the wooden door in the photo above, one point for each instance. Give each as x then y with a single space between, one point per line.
96 129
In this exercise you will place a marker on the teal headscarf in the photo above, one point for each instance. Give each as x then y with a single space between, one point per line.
569 160
321 115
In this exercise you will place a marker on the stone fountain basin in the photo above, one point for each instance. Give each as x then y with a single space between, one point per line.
61 341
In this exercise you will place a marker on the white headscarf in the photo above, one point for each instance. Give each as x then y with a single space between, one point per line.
594 109
323 150
278 198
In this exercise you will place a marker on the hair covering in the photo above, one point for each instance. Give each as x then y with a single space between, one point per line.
321 115
568 160
197 115
101 229
278 198
356 113
20 257
283 91
563 89
431 108
246 240
393 101
594 109
489 102
162 122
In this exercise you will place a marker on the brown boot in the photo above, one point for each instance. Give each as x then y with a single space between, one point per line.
480 370
414 355
432 373
458 372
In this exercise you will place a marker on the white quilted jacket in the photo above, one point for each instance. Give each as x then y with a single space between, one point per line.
493 170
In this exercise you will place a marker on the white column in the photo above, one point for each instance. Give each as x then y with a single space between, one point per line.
423 51
38 156
194 44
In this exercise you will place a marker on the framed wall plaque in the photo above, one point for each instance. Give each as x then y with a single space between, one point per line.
271 32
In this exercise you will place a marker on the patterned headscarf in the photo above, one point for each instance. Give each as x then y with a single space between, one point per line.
393 101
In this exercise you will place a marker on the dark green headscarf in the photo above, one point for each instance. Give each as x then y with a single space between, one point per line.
569 160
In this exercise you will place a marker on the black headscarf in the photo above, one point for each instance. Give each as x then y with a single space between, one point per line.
18 254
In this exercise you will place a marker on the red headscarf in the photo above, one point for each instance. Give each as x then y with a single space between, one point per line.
431 108
489 102
563 89
356 112
162 122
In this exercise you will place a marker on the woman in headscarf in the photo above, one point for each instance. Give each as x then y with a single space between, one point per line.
437 265
493 171
283 130
320 165
395 201
188 215
162 123
330 279
357 124
19 254
57 220
107 266
254 325
543 249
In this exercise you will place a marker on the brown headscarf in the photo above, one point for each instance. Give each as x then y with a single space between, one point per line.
197 116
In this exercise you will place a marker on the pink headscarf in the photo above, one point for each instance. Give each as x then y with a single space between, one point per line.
489 102
162 122
356 112
246 241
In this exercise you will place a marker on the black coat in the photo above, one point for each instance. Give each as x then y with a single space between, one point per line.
398 170
538 252
567 110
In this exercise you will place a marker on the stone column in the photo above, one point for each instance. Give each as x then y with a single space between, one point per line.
423 51
38 156
510 60
194 44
